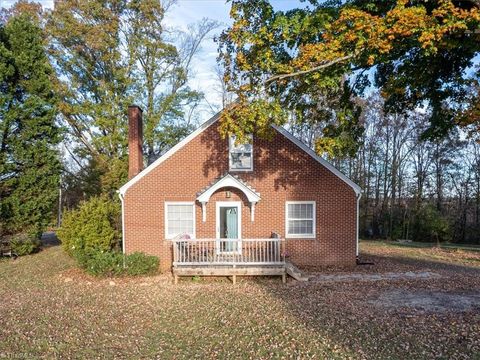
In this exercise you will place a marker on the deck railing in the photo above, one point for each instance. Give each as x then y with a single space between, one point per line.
228 252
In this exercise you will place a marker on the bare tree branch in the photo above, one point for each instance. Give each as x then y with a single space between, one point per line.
473 2
303 72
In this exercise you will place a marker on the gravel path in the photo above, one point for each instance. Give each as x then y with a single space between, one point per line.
428 301
409 275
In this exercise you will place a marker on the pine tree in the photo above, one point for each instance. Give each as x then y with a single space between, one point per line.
29 160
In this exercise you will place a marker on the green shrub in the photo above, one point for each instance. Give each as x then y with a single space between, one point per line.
82 258
141 264
108 263
93 227
24 244
91 234
114 263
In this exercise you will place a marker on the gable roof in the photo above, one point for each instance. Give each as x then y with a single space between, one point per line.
228 180
211 121
169 153
313 154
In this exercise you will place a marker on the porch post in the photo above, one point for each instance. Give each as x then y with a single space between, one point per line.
204 211
252 211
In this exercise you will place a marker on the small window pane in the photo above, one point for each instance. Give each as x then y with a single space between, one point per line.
300 211
300 219
241 160
240 155
300 227
180 220
240 147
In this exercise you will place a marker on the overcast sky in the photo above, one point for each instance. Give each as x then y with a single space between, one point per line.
186 12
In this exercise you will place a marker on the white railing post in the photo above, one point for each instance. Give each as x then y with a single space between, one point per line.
175 254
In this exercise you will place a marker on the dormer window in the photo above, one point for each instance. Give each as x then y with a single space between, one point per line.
240 155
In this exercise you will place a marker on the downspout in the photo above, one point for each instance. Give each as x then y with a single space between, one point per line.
359 195
120 195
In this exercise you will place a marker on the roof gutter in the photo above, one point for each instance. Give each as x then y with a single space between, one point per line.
359 195
122 200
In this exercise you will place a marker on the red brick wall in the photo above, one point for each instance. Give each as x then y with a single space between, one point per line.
135 136
282 172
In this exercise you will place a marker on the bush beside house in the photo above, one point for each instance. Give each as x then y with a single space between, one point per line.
115 263
92 235
93 227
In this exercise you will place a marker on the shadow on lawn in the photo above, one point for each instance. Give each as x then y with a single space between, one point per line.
405 263
351 316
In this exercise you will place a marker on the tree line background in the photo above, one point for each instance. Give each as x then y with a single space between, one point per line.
388 91
412 188
67 76
385 90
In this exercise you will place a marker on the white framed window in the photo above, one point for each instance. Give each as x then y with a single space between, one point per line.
240 155
300 219
179 219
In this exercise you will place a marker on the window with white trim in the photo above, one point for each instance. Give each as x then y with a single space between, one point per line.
179 219
240 155
300 219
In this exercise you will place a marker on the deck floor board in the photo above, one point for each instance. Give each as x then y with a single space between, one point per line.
229 271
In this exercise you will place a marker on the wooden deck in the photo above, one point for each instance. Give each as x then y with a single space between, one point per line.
229 257
229 271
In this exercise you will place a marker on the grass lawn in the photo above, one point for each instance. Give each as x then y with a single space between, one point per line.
50 309
469 247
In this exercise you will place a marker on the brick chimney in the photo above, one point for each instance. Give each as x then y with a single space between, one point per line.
135 141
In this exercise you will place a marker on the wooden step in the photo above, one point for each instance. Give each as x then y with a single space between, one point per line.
228 271
295 272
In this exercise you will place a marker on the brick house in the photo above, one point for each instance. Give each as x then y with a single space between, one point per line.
211 206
